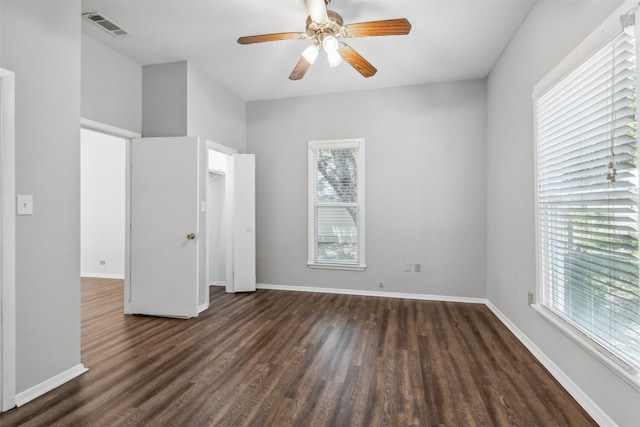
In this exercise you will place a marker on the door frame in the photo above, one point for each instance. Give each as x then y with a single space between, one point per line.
127 135
227 220
8 242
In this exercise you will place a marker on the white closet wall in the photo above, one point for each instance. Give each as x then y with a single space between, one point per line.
102 205
216 229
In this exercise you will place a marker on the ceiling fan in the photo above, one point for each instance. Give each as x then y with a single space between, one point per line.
326 29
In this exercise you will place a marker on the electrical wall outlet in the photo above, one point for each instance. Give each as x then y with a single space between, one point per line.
418 268
103 262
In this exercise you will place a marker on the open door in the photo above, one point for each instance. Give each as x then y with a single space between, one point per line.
241 212
167 220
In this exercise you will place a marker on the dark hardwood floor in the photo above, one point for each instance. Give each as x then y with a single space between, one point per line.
276 358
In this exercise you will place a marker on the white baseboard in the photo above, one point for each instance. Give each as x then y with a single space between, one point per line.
572 388
103 276
48 385
218 283
202 307
424 297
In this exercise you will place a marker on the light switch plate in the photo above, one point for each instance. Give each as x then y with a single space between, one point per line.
25 205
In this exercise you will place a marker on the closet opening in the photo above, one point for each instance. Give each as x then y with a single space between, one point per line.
217 218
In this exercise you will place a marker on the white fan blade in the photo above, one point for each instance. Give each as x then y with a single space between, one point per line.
317 11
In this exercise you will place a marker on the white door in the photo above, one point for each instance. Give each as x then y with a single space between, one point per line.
166 182
241 200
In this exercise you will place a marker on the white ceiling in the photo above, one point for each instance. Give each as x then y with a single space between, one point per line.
449 40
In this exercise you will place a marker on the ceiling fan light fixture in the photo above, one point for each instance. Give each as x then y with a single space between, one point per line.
326 30
330 44
311 53
334 58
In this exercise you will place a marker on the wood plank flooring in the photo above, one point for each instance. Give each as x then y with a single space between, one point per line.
276 358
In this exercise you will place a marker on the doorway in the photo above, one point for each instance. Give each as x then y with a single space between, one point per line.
219 216
217 232
126 136
216 229
231 219
102 205
106 159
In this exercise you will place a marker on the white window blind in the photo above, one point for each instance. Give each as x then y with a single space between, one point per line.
336 203
587 200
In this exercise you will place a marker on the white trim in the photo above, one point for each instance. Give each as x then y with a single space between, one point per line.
226 217
48 385
329 266
424 297
598 39
108 129
311 232
203 307
8 241
332 143
103 276
576 392
127 136
594 41
220 148
633 379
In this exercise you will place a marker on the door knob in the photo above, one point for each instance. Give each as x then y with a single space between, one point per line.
191 236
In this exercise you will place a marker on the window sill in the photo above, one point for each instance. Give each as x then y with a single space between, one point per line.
329 266
625 372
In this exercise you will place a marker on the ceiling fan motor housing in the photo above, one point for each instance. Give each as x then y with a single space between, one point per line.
333 27
325 31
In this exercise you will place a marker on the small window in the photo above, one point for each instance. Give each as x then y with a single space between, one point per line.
336 204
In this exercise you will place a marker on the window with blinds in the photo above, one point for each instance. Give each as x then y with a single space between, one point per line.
587 200
336 194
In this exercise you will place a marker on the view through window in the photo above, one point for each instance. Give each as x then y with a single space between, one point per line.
336 194
587 200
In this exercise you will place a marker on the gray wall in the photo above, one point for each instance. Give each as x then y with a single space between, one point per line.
179 100
164 99
40 42
214 112
549 33
425 186
111 86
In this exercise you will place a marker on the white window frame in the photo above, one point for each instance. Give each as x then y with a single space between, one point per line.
360 265
593 43
7 242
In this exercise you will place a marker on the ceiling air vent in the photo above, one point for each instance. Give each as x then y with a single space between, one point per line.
106 24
